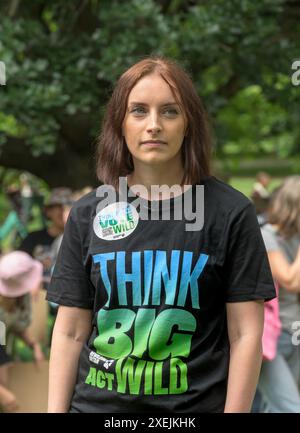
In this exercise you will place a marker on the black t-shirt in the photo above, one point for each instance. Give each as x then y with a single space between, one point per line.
159 340
37 243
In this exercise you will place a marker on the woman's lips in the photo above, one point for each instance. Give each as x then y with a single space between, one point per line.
153 143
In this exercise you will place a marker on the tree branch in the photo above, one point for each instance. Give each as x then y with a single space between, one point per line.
13 8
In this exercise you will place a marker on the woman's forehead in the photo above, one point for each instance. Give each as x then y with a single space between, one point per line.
152 88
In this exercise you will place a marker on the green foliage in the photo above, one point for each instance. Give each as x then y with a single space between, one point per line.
62 59
255 125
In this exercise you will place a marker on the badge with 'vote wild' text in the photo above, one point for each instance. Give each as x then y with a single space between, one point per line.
116 221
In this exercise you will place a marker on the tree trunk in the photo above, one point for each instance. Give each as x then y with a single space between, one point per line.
63 168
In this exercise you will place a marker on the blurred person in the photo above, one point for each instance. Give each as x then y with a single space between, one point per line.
39 243
158 318
282 240
76 195
30 197
260 195
66 208
26 196
57 241
81 192
277 389
13 222
20 276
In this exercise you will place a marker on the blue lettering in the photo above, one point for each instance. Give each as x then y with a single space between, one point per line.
134 278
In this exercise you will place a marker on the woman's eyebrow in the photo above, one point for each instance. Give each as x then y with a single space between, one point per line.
146 105
170 103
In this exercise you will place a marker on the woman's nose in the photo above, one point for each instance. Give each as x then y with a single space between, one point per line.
154 125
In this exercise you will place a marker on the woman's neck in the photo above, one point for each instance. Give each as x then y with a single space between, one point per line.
159 175
150 176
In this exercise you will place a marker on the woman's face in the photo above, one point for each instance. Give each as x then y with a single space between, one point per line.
154 125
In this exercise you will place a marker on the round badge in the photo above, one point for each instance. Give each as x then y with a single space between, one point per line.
116 221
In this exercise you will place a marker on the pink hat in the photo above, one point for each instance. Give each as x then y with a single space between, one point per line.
19 274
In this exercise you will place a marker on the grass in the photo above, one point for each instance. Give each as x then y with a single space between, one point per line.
245 184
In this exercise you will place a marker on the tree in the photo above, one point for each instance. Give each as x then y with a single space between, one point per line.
62 59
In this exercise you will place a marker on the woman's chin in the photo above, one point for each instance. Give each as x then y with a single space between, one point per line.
155 158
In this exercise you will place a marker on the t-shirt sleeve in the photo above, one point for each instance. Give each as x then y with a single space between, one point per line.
70 283
270 240
247 270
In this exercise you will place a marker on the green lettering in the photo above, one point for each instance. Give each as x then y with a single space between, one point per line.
129 215
112 342
178 376
117 229
100 379
167 330
103 224
148 378
158 388
127 372
110 378
143 323
91 378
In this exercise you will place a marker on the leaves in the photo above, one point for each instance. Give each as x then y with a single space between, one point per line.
62 59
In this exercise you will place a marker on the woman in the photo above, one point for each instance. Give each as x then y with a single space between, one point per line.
280 378
276 383
20 275
151 311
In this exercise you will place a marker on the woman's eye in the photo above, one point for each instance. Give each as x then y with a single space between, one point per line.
170 112
138 110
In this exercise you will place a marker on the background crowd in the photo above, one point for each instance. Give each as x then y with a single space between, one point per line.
25 271
28 260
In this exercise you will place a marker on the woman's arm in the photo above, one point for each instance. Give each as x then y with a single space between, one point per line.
287 275
72 329
245 327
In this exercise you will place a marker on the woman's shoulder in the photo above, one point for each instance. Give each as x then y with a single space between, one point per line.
224 195
86 206
86 200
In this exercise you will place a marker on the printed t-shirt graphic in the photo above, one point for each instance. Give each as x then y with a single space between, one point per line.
161 340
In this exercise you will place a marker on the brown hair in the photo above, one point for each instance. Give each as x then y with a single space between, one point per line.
113 156
284 209
10 304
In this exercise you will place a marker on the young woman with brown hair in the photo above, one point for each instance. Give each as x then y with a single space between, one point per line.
155 316
282 239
